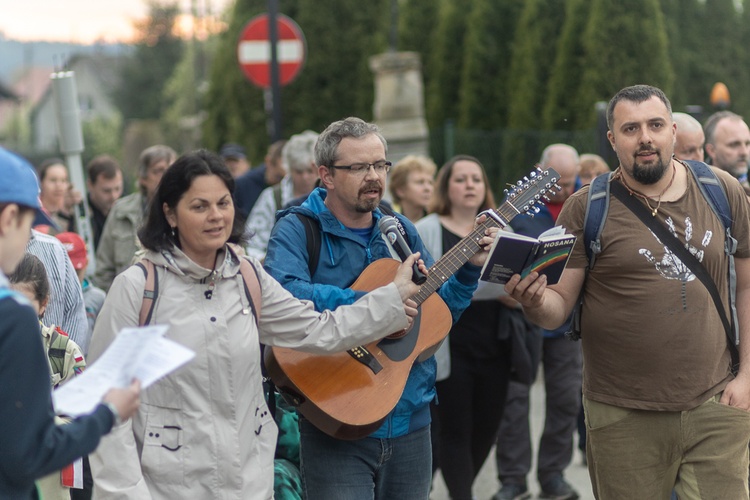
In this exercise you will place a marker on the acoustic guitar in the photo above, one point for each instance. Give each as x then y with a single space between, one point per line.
348 395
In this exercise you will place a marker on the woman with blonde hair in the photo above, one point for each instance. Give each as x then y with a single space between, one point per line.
411 186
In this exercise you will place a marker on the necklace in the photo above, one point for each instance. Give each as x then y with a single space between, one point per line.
647 198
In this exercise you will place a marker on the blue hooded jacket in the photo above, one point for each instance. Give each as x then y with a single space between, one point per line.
343 257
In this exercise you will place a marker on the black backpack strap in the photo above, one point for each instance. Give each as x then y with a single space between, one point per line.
312 233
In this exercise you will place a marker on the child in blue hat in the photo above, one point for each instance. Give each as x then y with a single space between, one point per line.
31 445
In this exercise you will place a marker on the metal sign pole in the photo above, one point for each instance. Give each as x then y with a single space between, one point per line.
70 137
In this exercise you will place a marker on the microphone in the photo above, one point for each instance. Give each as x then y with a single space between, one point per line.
389 226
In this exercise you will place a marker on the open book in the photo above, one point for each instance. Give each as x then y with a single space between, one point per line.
513 253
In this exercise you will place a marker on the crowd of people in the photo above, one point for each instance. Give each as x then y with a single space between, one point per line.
237 260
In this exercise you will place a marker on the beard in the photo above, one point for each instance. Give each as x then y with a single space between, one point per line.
368 205
648 175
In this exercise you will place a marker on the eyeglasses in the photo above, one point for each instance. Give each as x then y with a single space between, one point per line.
380 167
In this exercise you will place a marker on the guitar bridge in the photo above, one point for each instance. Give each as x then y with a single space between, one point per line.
365 357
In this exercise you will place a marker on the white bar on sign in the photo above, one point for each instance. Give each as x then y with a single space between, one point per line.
259 51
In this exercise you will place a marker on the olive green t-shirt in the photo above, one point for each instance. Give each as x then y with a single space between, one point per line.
652 338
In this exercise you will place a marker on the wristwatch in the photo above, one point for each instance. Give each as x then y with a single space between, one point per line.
115 413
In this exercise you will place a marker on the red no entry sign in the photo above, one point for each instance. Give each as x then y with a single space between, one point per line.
254 50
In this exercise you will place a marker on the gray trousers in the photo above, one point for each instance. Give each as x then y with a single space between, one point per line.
562 363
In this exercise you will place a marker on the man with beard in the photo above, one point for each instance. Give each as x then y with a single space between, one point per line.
663 409
394 461
728 144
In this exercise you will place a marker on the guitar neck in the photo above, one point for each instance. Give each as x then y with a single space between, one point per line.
453 259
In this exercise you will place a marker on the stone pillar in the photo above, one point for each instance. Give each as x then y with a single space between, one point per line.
399 103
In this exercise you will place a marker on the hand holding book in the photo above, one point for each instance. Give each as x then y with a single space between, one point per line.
513 253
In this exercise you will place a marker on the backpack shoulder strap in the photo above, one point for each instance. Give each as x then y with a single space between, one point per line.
150 291
597 206
712 190
252 287
312 233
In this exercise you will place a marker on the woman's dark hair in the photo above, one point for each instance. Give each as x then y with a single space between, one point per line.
41 170
156 233
441 203
31 271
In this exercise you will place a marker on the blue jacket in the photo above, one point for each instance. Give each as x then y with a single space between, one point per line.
343 257
534 226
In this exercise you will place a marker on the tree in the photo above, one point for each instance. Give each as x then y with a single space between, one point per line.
625 43
483 96
446 62
145 73
234 108
336 81
567 68
533 57
416 22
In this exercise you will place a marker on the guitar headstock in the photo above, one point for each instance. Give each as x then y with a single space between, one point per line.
529 192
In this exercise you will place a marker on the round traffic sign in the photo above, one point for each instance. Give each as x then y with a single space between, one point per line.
254 50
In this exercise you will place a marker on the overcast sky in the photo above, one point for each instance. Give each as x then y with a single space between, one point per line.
80 21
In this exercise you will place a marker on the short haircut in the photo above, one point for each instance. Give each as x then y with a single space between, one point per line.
441 203
326 149
298 153
154 154
709 128
31 271
156 233
686 123
401 170
547 152
102 165
637 94
45 165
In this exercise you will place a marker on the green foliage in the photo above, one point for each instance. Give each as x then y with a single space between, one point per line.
416 21
446 63
102 136
533 58
144 74
487 54
625 43
568 66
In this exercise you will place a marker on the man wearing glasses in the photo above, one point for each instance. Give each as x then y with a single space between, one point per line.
394 461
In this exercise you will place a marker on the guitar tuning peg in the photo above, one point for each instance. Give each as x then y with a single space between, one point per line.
545 198
532 174
537 210
525 208
531 215
519 183
543 172
525 178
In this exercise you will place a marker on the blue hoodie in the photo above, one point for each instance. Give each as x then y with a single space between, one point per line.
343 257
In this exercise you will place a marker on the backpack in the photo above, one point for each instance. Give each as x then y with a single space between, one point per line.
151 289
58 342
58 345
314 241
597 207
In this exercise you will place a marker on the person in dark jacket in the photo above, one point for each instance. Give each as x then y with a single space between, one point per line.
31 444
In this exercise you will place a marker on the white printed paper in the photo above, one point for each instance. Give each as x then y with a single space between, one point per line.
140 352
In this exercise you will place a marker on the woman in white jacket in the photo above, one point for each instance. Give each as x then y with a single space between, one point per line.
205 430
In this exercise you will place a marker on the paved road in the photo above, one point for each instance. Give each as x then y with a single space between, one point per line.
486 484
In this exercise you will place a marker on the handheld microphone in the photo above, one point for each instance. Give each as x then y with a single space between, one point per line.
389 226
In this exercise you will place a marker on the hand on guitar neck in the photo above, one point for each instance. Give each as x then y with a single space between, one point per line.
405 285
485 243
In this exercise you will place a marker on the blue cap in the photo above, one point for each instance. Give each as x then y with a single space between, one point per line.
18 183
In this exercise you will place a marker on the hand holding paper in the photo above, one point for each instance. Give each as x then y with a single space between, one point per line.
137 353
